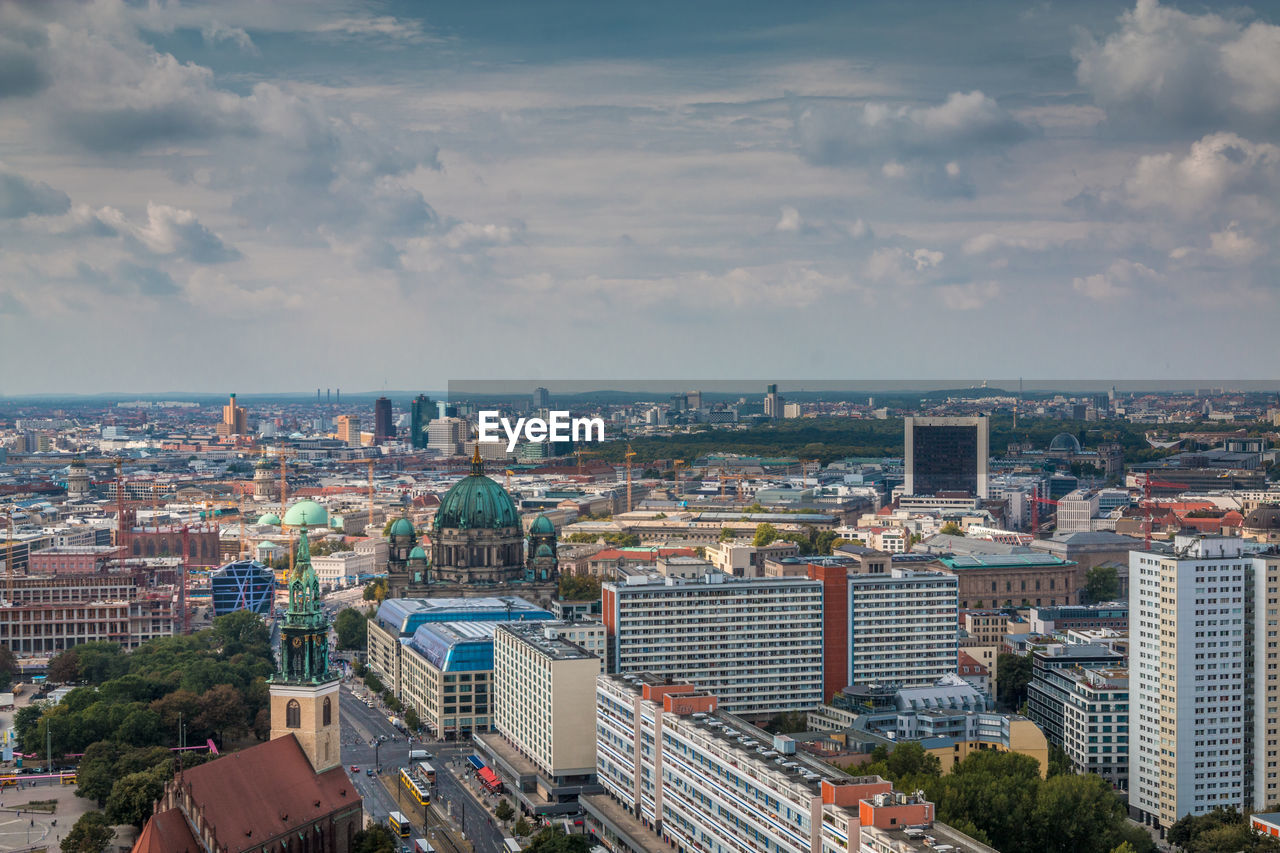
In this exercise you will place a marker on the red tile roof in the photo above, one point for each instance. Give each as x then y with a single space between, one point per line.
266 790
167 832
969 665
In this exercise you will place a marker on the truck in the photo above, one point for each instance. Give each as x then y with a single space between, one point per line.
510 845
422 845
419 755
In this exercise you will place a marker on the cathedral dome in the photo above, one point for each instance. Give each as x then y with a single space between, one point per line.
542 526
476 503
309 513
544 550
402 527
1265 517
417 553
269 518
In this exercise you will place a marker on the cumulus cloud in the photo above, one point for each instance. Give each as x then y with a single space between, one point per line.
901 265
215 33
1119 281
148 280
20 197
832 135
789 221
1184 70
1219 169
169 231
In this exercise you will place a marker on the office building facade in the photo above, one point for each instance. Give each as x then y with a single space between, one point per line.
422 411
756 642
946 455
383 430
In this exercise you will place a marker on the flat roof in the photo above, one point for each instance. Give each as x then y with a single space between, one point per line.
545 636
404 615
1003 561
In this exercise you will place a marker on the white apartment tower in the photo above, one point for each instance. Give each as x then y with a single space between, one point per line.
755 642
1204 629
903 627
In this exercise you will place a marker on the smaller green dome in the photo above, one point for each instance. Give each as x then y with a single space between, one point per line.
309 513
542 526
544 550
402 527
417 553
264 462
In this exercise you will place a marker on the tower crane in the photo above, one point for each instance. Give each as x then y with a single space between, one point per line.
1035 512
580 454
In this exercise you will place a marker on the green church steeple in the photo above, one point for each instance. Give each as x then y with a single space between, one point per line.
304 637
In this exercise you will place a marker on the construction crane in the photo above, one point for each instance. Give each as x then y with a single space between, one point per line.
675 475
580 454
1149 505
284 482
1035 512
629 456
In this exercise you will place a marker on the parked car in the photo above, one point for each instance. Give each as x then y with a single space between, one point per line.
355 769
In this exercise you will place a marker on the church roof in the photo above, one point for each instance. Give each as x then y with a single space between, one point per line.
256 794
167 832
402 527
476 503
542 526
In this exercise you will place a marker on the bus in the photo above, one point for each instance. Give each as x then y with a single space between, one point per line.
68 778
425 772
417 791
399 824
8 781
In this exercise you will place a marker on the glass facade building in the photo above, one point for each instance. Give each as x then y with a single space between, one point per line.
243 585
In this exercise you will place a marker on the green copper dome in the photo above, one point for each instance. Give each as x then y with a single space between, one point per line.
309 513
544 550
402 527
542 526
417 553
476 503
269 518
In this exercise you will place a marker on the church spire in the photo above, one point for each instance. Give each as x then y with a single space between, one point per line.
477 467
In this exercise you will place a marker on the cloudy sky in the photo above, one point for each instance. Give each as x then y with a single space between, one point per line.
278 196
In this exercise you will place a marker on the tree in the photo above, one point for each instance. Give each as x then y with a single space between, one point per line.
766 533
579 588
64 669
376 591
1222 830
727 535
554 840
133 796
222 711
90 834
352 627
375 839
1059 761
951 529
412 721
1102 583
504 812
522 827
241 632
8 667
1013 673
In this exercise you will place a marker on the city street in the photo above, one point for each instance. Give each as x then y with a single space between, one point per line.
362 724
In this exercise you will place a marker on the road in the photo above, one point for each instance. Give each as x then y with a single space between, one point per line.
362 724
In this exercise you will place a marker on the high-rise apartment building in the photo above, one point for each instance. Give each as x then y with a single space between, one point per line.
903 627
541 399
946 455
383 430
349 430
422 411
1205 700
677 769
234 419
755 642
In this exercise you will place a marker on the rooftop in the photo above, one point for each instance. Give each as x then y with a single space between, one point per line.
545 636
1003 561
404 615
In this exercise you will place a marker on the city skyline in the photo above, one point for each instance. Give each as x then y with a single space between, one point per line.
219 191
